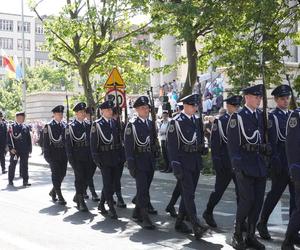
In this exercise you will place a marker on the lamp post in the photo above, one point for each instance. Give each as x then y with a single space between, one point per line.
23 61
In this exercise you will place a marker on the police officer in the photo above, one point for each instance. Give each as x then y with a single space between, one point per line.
121 127
293 156
185 145
106 151
279 166
92 165
77 147
139 137
55 152
220 158
3 142
246 148
20 146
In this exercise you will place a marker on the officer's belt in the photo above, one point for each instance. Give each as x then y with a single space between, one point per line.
143 149
111 147
252 147
80 144
191 148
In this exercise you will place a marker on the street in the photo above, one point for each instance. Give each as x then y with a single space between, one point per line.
29 220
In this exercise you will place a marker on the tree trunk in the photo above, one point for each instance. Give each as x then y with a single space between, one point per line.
191 77
88 91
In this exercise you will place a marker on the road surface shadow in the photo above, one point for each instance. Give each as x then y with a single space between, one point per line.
79 218
55 209
110 226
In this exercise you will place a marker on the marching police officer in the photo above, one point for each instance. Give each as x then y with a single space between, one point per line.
245 146
279 166
185 145
3 142
77 147
139 138
106 151
293 156
20 146
220 158
121 127
55 152
92 165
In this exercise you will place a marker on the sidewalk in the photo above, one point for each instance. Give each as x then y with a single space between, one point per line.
37 159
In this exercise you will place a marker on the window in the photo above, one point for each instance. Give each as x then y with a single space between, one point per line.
6 43
6 25
26 27
27 60
40 46
39 29
26 43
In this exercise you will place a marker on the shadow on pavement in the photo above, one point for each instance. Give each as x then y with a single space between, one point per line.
79 218
54 210
110 226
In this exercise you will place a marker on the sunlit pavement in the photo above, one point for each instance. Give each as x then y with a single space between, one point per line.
29 220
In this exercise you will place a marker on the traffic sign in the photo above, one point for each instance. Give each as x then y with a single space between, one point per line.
115 79
111 95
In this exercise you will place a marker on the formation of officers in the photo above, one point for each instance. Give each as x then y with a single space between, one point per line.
242 149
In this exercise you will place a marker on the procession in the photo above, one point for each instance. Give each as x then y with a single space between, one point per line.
130 124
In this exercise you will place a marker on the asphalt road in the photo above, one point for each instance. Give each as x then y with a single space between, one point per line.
29 220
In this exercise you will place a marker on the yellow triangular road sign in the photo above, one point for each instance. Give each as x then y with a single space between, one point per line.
114 78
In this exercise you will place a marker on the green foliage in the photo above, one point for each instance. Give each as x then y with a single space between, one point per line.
10 95
47 78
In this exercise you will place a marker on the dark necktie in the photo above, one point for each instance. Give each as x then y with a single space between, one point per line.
255 115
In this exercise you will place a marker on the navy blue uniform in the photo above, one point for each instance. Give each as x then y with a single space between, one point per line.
245 137
19 139
140 157
78 151
185 143
3 143
55 151
221 161
106 152
279 166
293 156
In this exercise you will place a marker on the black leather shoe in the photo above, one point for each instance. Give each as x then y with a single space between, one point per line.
198 230
53 195
4 171
61 201
26 184
136 215
182 227
263 231
147 223
95 198
209 219
151 209
172 211
102 208
121 204
252 242
237 242
11 183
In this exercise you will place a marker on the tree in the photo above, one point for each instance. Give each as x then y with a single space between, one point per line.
191 21
84 35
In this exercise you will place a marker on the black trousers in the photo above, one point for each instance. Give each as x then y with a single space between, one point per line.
188 187
80 168
91 171
117 184
143 180
109 176
165 153
251 192
279 183
58 172
175 194
223 179
2 159
23 166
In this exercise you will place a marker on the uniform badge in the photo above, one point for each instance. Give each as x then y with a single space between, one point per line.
214 127
293 122
45 130
128 131
171 128
232 123
270 123
93 129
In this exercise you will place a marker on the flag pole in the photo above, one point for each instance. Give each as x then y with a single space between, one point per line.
23 61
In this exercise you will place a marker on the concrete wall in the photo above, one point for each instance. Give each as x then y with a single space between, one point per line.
40 104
